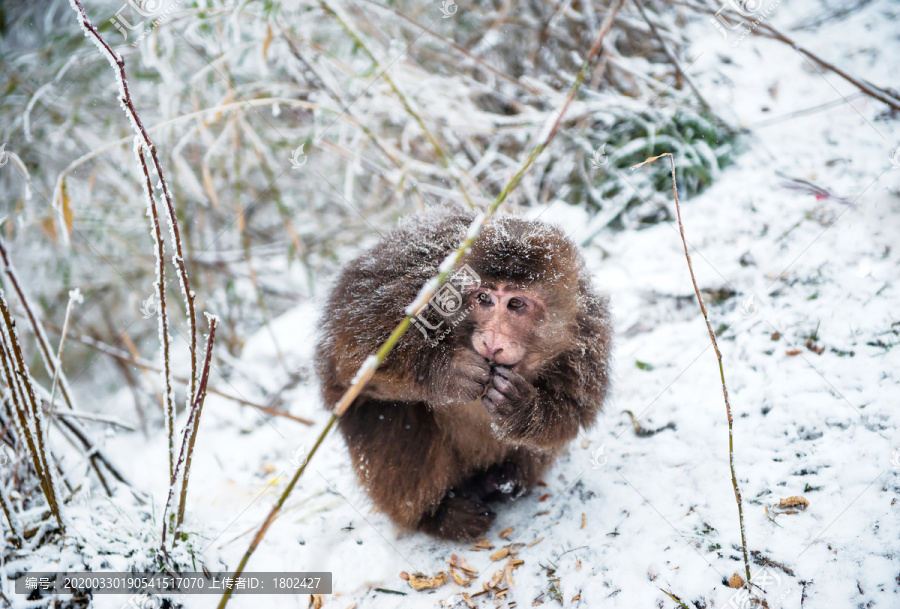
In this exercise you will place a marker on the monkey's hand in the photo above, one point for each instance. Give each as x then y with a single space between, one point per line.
508 393
463 380
528 414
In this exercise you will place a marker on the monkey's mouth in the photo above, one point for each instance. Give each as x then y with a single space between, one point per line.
516 367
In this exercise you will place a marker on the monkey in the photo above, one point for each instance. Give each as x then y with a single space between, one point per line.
494 377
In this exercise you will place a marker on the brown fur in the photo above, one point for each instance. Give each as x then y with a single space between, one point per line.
440 431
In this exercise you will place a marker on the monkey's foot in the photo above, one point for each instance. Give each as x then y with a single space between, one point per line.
458 518
501 481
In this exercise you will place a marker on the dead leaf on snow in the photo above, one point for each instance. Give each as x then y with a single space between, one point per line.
419 581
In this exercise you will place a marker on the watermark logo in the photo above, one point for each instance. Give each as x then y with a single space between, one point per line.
146 9
149 307
143 600
895 459
599 159
445 309
598 457
4 156
895 158
767 580
448 8
750 10
749 308
298 158
299 457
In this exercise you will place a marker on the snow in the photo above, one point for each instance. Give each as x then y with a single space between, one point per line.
626 517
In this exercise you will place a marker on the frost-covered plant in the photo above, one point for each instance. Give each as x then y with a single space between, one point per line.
294 130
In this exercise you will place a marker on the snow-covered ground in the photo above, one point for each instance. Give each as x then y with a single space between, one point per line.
804 291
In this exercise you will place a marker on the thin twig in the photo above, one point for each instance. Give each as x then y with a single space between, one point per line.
160 283
20 414
672 59
40 335
33 422
190 431
92 416
51 365
367 369
761 28
74 296
125 357
712 336
188 437
93 451
118 64
10 514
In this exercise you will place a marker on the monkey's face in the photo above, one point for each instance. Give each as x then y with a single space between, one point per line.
506 319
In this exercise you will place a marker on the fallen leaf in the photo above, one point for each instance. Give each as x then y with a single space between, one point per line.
735 581
496 579
419 581
484 544
793 502
459 579
456 561
267 42
812 346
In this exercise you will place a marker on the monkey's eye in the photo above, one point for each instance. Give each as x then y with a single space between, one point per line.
515 304
483 298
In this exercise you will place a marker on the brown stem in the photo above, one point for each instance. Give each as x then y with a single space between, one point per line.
23 379
187 440
118 64
764 29
40 336
163 321
17 398
52 366
196 408
10 514
712 336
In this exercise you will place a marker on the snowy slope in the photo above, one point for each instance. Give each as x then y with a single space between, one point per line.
646 514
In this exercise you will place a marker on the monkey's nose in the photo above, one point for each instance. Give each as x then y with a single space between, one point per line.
491 349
